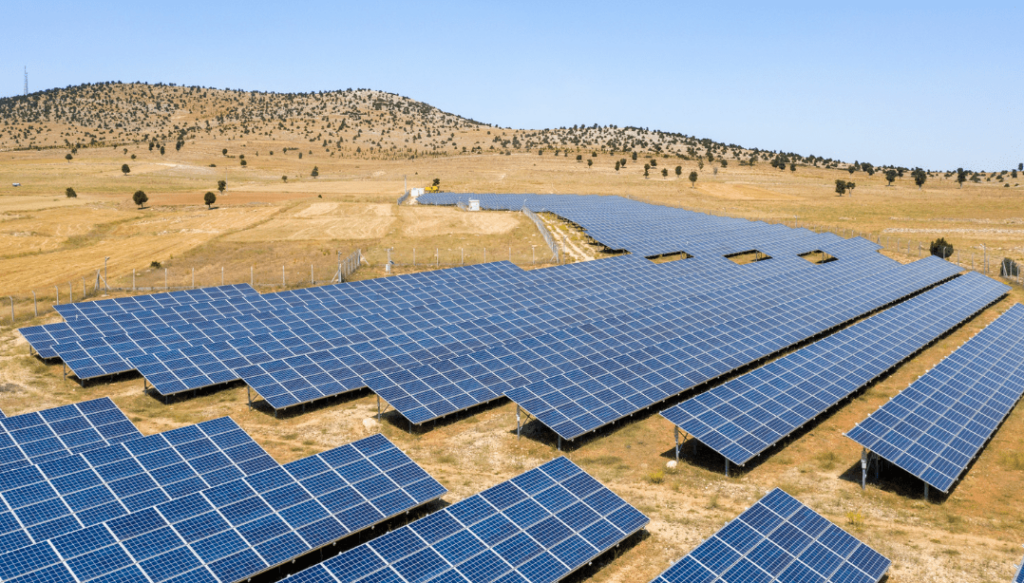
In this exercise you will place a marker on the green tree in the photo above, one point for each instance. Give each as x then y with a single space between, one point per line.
224 152
284 178
590 162
634 156
161 150
840 187
851 169
961 176
209 198
890 176
616 165
579 157
664 172
647 170
70 192
725 163
125 169
140 198
133 156
1020 167
221 185
244 163
941 248
437 182
920 177
315 172
693 178
679 171
850 186
68 157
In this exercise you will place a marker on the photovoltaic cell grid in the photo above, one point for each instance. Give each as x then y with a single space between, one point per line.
779 539
597 391
349 300
305 378
233 531
457 374
1019 578
401 341
38 437
538 527
75 492
746 416
86 310
937 425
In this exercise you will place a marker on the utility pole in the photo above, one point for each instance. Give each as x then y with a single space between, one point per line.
26 80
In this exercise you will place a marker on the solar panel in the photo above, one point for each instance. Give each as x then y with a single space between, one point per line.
744 417
538 527
72 493
237 529
779 539
937 425
1019 577
62 431
600 389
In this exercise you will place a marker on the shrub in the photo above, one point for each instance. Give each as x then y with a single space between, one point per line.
941 248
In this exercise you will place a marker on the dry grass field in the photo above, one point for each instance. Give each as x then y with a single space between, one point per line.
263 223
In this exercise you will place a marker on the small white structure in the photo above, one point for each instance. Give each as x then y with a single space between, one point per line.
474 204
15 184
415 192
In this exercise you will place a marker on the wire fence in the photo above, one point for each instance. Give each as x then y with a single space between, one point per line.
555 255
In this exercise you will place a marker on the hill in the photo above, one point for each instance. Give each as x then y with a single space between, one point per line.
361 122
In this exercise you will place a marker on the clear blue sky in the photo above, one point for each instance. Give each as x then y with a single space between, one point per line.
931 84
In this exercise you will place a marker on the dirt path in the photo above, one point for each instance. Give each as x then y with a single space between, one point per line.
574 251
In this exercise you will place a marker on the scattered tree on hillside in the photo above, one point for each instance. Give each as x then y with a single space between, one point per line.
851 169
890 176
125 151
70 193
315 172
920 177
284 178
125 169
133 156
693 178
840 187
68 157
941 248
616 165
961 177
664 172
224 152
679 171
647 170
1020 166
724 163
634 156
221 185
792 167
850 186
140 198
579 157
244 163
590 162
161 150
437 182
208 199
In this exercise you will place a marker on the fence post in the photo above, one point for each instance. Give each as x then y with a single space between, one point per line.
165 279
463 250
56 291
510 255
12 310
35 307
133 279
222 275
193 278
71 292
437 257
283 281
252 278
414 257
311 280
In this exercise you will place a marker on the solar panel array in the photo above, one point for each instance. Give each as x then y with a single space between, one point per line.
1019 577
700 342
779 539
199 503
747 415
937 425
538 527
34 438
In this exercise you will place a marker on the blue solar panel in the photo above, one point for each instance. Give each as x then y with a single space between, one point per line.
1019 577
779 539
538 527
72 493
937 425
238 528
746 416
62 431
599 389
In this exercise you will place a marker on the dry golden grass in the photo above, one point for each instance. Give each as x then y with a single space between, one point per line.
971 537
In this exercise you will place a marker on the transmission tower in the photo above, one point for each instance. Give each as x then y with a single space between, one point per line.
26 80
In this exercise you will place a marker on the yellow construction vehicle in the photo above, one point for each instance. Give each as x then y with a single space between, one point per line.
432 189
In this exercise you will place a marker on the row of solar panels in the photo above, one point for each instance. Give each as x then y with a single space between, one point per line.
933 429
204 503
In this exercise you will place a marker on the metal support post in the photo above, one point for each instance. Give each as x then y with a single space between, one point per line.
248 394
222 275
56 291
35 307
726 467
559 443
675 431
518 434
165 279
283 281
378 408
926 491
133 279
12 309
312 281
863 468
71 293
